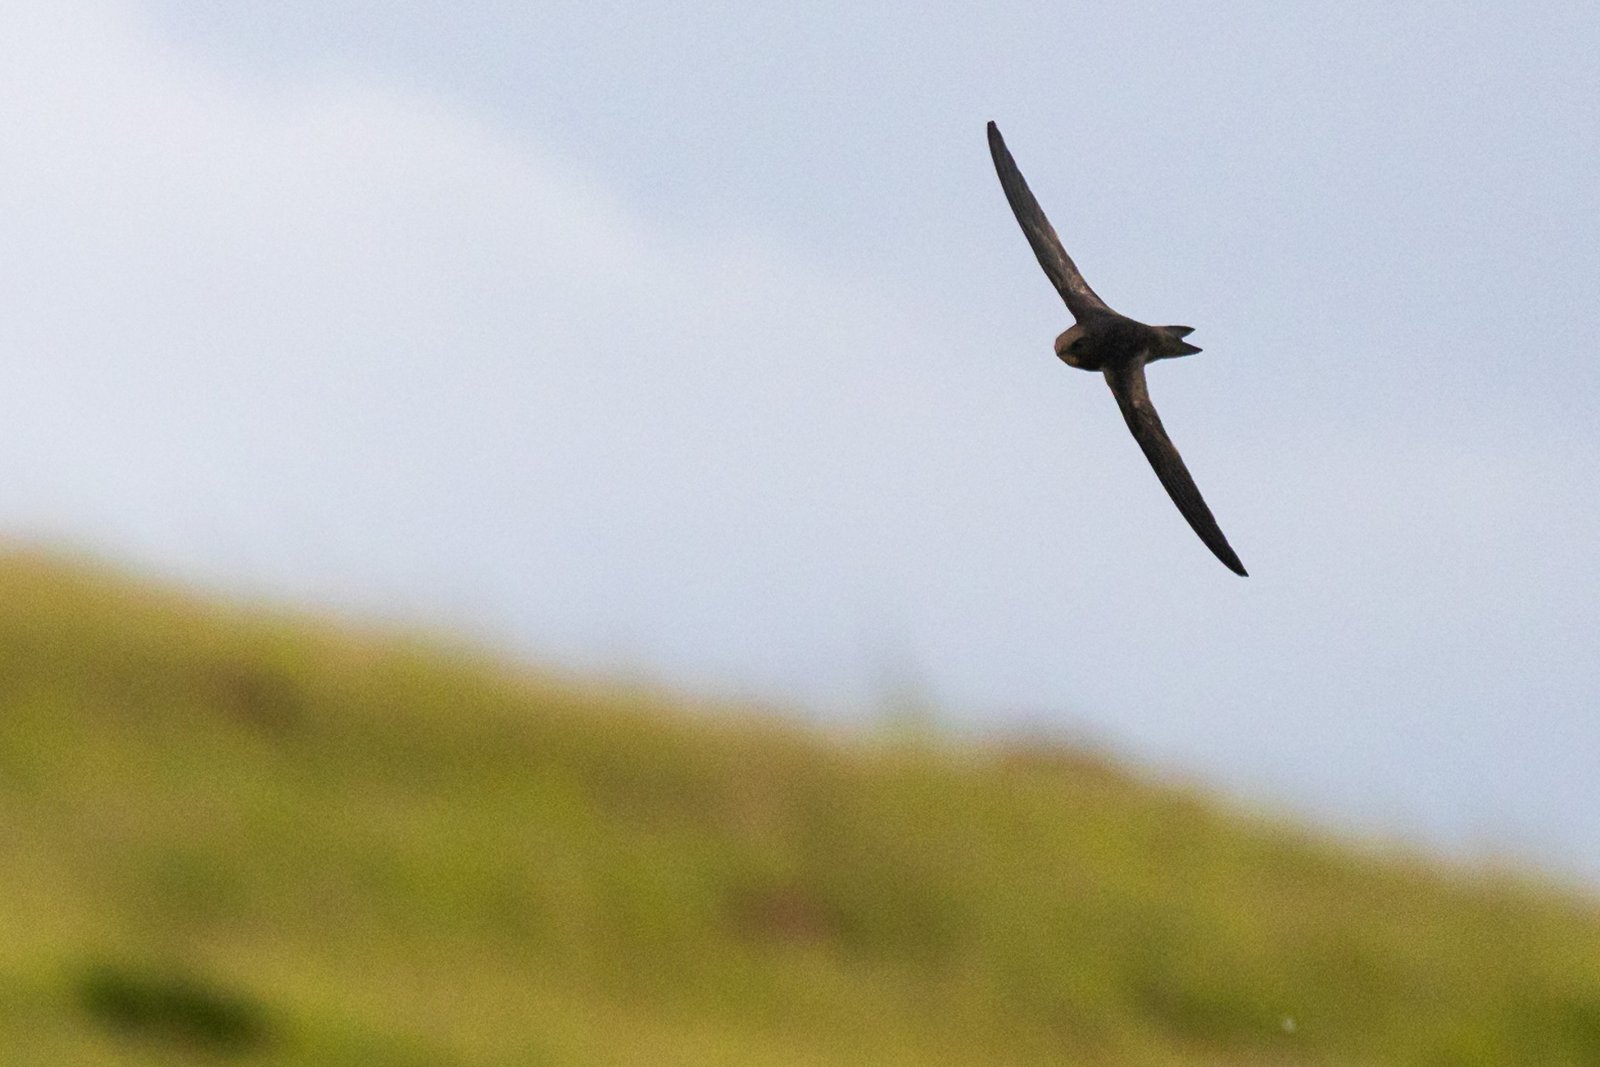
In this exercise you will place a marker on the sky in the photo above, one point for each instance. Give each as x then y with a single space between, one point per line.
697 342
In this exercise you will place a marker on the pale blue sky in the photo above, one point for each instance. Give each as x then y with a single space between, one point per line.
698 339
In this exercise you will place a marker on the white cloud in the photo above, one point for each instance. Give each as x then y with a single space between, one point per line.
343 336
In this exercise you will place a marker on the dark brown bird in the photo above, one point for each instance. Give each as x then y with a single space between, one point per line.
1118 347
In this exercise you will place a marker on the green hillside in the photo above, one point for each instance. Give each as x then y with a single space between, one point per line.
229 836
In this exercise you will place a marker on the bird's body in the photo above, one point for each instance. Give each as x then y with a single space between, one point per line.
1106 339
1118 347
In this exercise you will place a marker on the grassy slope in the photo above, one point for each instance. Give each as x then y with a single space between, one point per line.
401 856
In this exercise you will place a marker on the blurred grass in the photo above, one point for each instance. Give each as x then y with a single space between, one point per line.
234 835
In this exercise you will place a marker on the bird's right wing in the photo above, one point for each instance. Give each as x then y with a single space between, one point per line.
1063 273
1133 397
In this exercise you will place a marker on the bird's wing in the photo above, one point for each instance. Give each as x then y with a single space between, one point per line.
1133 397
1041 235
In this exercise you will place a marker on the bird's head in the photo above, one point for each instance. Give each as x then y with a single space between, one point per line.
1069 348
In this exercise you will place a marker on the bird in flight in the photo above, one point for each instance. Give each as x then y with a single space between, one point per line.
1118 347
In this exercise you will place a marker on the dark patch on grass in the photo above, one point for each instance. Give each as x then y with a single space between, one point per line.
1580 1025
1214 1010
173 1006
1561 1022
784 915
265 698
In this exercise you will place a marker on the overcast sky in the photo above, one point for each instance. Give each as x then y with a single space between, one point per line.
697 340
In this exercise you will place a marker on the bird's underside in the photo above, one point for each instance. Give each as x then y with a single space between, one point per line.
1118 347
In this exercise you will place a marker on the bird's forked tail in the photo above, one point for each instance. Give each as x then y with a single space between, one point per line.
1173 344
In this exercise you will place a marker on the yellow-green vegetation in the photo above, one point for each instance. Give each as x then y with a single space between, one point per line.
230 834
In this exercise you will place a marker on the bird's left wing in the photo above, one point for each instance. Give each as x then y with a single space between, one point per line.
1063 273
1133 397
